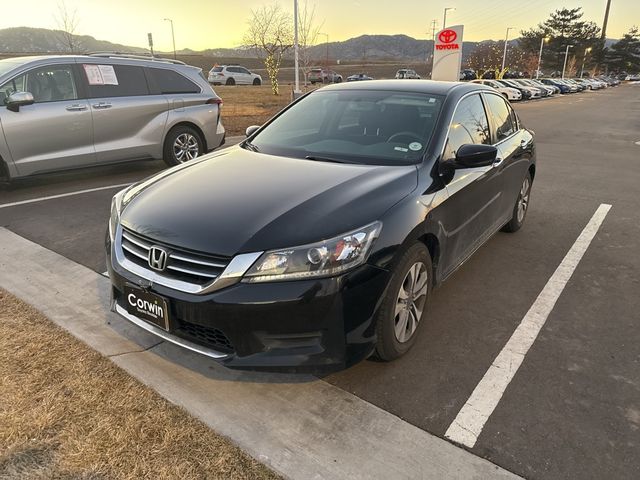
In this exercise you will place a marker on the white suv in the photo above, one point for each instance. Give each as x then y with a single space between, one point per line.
233 75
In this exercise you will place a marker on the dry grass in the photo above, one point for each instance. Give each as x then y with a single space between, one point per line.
66 412
246 105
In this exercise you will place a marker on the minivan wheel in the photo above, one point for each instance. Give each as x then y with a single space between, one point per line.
256 81
181 145
521 207
403 307
230 81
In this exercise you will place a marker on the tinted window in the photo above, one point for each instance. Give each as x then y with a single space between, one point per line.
169 81
361 126
502 116
217 69
47 84
129 81
469 125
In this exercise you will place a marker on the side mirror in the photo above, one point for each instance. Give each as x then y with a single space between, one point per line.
251 130
475 155
19 99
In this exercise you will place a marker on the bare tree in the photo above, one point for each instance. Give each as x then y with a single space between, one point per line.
271 35
572 67
308 32
68 23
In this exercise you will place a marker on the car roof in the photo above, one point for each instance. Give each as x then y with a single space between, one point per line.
98 58
419 86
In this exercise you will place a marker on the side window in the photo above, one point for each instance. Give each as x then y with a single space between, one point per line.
169 81
503 116
469 125
124 81
47 84
245 71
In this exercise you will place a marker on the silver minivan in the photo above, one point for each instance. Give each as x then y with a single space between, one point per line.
63 112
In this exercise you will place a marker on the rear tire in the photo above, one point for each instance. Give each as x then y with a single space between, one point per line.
182 144
230 81
521 207
257 82
405 303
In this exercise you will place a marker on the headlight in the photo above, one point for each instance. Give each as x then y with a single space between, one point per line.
322 259
116 206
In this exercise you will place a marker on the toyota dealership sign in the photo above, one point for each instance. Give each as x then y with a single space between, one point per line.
447 54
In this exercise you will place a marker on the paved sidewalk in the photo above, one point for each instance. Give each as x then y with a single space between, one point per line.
300 426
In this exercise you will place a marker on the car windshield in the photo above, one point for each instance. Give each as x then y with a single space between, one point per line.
353 126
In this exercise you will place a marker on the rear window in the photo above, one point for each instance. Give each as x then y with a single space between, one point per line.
316 70
169 81
217 69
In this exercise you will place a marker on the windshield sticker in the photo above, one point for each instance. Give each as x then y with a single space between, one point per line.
100 74
400 149
415 146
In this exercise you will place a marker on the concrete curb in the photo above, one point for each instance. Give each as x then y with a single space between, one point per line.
300 426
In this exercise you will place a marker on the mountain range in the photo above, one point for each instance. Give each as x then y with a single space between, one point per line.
365 47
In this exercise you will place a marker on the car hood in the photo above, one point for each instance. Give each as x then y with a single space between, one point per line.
238 201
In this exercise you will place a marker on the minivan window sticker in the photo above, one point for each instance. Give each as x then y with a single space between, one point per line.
101 74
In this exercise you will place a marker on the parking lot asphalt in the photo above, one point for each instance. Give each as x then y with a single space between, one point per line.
573 408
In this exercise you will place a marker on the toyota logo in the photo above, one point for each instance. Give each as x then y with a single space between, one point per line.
157 258
447 36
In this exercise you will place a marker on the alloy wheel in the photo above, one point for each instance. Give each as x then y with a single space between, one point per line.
185 147
410 302
523 200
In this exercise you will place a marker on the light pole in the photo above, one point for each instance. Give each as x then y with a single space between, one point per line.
566 54
444 21
506 40
296 48
543 40
327 42
173 37
584 58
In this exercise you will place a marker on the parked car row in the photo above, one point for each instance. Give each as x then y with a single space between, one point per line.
515 89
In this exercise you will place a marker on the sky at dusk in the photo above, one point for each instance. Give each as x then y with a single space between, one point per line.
201 24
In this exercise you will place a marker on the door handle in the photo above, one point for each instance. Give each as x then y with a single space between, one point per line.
102 105
497 162
76 107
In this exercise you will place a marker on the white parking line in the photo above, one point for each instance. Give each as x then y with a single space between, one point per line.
62 195
471 419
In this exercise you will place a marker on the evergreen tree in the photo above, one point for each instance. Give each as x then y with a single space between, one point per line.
563 27
624 55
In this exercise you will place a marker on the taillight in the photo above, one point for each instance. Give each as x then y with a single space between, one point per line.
214 101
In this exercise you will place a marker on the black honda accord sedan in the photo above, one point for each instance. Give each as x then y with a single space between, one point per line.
317 241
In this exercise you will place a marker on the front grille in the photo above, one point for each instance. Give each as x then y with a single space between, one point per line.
182 264
207 336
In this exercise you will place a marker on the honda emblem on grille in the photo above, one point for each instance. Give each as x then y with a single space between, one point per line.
158 258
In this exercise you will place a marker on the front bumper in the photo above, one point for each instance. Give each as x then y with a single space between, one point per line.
314 325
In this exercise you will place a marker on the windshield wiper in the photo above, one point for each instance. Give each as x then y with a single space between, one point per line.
250 146
327 159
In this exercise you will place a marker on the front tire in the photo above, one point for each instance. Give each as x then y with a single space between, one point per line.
181 145
256 82
404 305
521 207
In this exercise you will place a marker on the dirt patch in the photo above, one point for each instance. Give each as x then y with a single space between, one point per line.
67 412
